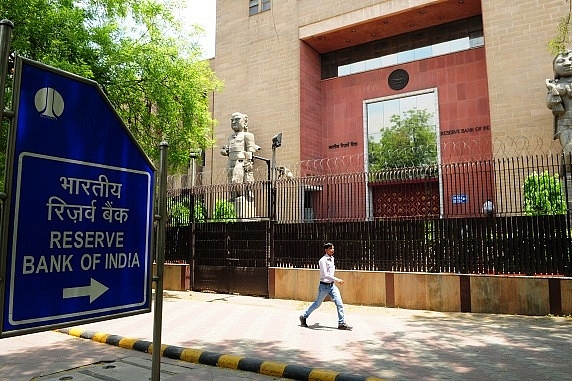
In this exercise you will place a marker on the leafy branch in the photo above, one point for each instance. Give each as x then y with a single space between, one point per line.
560 42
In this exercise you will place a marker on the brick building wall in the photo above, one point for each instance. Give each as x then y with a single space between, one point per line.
257 59
268 63
518 62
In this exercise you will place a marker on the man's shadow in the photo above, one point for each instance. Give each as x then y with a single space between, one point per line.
317 326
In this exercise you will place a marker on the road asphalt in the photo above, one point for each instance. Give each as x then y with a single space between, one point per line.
231 337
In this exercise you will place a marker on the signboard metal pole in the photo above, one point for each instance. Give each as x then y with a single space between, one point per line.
160 261
6 27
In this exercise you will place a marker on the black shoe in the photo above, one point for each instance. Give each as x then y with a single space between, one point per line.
303 321
344 327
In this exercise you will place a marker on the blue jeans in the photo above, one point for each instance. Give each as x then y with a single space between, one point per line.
323 291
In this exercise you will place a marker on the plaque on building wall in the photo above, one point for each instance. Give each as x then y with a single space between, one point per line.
398 79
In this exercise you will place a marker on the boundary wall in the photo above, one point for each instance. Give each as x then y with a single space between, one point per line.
493 294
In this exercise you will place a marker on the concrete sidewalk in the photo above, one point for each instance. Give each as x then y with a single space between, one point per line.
386 343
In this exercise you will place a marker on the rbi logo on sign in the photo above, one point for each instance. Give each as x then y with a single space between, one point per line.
49 103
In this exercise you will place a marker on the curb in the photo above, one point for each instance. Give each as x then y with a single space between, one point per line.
198 356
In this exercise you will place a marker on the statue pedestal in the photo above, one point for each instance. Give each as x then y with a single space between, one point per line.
568 188
244 208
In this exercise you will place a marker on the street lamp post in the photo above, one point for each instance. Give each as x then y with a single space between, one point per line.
193 155
276 142
271 164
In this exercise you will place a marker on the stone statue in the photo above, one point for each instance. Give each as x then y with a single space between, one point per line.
559 99
240 150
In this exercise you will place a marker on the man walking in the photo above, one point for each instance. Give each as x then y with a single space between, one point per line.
327 287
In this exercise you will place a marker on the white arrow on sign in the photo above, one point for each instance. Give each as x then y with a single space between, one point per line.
94 291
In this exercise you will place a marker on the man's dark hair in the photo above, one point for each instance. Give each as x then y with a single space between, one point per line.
328 245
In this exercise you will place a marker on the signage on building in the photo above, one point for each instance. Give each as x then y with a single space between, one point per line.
460 198
80 209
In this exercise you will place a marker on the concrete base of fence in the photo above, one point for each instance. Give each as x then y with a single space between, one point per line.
176 277
496 294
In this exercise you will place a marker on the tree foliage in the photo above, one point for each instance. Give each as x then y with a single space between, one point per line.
410 141
147 65
179 214
559 44
224 211
543 195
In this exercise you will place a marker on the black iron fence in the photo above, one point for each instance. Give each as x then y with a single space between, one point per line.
431 219
498 245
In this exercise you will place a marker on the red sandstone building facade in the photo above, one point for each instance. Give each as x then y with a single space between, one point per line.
327 74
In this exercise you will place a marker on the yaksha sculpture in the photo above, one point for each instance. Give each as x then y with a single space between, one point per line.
559 99
240 150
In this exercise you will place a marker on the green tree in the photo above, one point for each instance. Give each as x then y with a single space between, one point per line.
410 141
561 40
145 62
543 195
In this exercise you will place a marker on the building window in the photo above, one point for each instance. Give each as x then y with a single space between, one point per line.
257 6
431 42
401 131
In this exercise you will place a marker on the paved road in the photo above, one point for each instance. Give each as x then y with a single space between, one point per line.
392 344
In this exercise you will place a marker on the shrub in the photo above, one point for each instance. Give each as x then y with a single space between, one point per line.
179 213
543 195
199 212
224 211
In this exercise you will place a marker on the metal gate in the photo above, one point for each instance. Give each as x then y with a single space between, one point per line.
231 258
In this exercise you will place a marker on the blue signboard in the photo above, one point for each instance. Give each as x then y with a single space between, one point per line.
460 198
80 209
